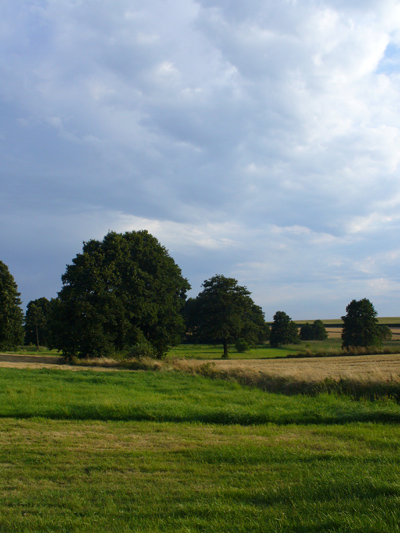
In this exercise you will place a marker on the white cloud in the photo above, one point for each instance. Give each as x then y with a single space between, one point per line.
254 138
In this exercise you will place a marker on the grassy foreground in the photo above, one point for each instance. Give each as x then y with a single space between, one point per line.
144 451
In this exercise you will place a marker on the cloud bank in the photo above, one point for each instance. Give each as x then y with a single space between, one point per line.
255 139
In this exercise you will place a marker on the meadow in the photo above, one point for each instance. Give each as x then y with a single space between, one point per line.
171 451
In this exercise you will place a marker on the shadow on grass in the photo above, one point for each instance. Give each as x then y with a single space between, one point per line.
218 417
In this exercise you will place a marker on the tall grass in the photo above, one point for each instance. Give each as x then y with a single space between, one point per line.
323 351
178 397
356 389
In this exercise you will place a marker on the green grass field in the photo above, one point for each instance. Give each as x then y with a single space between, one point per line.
330 346
208 351
164 451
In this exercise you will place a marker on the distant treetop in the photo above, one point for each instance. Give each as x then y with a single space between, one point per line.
360 325
11 315
223 312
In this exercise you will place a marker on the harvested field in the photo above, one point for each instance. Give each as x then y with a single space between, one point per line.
360 367
336 333
357 367
395 333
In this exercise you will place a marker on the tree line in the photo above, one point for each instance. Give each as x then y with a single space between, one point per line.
126 294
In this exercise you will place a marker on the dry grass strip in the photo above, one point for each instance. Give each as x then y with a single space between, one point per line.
383 367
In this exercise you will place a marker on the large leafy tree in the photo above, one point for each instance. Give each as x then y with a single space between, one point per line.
360 325
283 330
36 322
119 292
224 311
11 315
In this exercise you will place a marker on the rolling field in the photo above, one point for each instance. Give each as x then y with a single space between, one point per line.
169 451
382 367
98 448
336 332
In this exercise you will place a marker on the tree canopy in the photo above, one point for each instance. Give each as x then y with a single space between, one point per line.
224 311
11 315
118 293
313 332
360 325
283 330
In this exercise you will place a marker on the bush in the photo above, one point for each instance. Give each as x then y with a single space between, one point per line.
142 349
241 345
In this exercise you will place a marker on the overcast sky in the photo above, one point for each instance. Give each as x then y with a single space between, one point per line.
257 139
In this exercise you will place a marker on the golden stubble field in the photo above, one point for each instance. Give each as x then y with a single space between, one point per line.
360 367
336 333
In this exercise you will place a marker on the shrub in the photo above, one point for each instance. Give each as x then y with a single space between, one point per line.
143 349
241 345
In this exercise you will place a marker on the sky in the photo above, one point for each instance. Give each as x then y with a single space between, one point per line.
259 140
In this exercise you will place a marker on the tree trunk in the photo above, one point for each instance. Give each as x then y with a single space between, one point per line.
225 354
37 337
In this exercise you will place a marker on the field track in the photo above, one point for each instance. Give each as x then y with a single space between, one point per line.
360 367
37 361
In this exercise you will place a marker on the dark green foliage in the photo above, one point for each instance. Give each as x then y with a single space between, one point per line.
306 333
223 312
385 332
36 322
360 325
313 332
319 330
117 293
241 345
284 330
11 315
143 348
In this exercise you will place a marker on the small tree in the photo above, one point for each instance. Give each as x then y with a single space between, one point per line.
306 332
319 331
11 315
283 330
36 322
313 332
360 325
224 312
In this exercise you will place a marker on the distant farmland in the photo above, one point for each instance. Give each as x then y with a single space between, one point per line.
334 326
